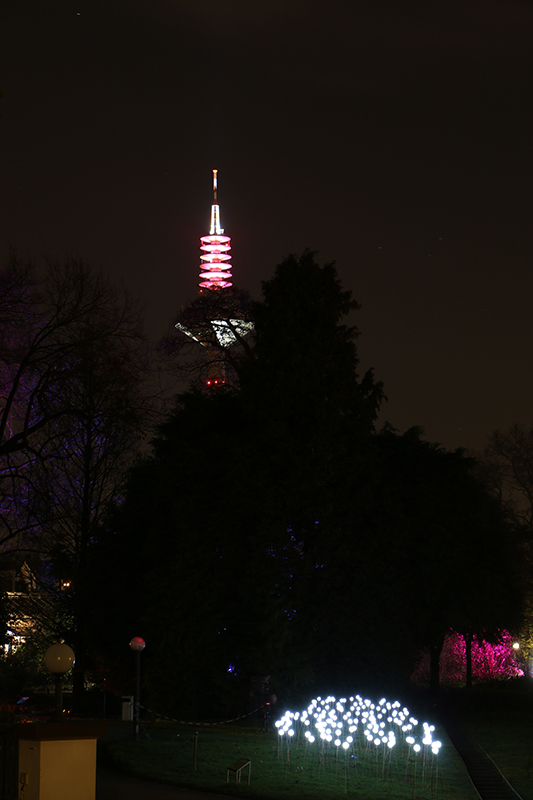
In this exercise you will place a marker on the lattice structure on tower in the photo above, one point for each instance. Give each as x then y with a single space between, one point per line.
218 319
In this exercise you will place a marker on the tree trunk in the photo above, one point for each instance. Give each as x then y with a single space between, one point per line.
81 589
435 650
468 644
78 676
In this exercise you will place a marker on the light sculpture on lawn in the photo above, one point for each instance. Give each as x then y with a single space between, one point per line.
352 725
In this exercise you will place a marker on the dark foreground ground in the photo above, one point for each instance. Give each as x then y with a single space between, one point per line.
114 785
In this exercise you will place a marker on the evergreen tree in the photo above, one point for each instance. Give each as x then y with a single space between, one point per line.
304 397
235 484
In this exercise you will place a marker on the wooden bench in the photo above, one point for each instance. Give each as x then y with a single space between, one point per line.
237 767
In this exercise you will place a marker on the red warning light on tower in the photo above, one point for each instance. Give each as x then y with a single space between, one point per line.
215 269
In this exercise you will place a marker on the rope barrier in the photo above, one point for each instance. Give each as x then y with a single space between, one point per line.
199 724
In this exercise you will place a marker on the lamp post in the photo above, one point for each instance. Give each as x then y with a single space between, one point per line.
137 645
58 659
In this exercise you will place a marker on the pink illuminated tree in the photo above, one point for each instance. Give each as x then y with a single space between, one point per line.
491 660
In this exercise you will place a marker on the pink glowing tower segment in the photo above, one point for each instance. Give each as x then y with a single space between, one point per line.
215 269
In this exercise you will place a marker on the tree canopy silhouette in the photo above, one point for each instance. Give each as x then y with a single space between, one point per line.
272 530
78 400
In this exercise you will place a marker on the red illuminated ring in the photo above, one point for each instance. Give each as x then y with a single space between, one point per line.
215 239
215 285
215 248
215 275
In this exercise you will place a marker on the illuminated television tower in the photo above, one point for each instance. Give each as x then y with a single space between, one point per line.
215 267
216 319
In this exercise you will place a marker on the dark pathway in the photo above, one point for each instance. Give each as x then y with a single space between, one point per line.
488 781
111 784
114 785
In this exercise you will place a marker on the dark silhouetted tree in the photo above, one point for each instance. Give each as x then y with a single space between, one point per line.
233 489
507 468
79 403
273 530
304 397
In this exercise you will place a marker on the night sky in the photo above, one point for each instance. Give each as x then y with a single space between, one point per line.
394 137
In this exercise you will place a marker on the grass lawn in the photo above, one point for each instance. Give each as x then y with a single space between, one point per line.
281 770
